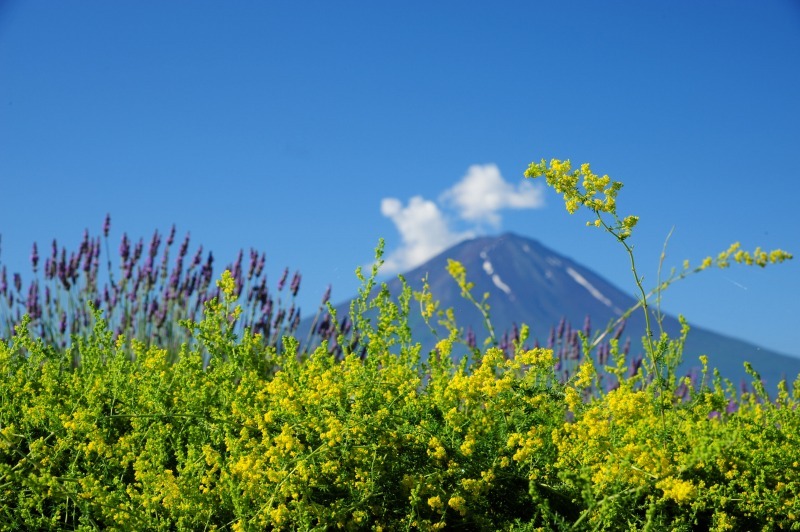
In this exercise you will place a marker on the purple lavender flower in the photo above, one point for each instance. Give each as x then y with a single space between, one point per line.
295 286
62 324
107 225
35 257
587 326
124 248
174 278
731 407
282 281
17 283
171 237
260 265
184 246
137 250
713 415
84 243
3 281
236 271
87 258
72 267
155 242
62 269
253 263
279 318
471 340
198 257
618 332
636 363
551 340
33 308
151 312
561 325
54 268
601 353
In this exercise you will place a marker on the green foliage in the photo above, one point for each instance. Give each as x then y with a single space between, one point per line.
237 432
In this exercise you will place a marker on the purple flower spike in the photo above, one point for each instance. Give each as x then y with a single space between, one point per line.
184 247
62 324
260 265
3 281
471 340
137 251
587 326
35 257
171 237
731 407
618 332
713 415
17 282
154 243
561 325
636 363
253 263
282 281
84 243
34 309
124 248
107 225
295 286
197 258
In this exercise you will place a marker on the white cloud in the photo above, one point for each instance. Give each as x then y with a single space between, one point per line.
477 198
423 230
482 192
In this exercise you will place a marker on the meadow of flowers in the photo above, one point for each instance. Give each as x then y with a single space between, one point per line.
155 398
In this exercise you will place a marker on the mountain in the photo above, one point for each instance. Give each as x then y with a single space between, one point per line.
532 284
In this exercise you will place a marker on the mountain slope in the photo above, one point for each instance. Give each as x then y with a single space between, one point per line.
532 284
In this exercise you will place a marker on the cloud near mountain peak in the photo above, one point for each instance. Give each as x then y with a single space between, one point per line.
426 229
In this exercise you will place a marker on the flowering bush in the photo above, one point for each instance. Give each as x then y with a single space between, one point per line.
232 431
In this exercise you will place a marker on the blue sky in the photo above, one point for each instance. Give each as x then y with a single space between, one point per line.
309 130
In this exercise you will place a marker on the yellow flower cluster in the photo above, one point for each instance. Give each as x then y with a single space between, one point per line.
758 257
560 176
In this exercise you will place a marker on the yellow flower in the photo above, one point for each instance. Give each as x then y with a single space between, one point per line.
458 504
435 502
676 489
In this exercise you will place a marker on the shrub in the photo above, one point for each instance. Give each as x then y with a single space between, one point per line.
232 430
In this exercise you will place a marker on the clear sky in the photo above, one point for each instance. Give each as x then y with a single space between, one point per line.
311 129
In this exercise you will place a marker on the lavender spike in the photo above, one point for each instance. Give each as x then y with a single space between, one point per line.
34 257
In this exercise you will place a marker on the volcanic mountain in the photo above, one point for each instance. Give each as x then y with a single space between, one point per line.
532 284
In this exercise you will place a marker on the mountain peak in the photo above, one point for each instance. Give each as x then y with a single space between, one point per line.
529 283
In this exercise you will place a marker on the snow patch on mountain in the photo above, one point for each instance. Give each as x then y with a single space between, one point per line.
487 267
588 286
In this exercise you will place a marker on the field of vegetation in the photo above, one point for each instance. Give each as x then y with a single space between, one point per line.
151 396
